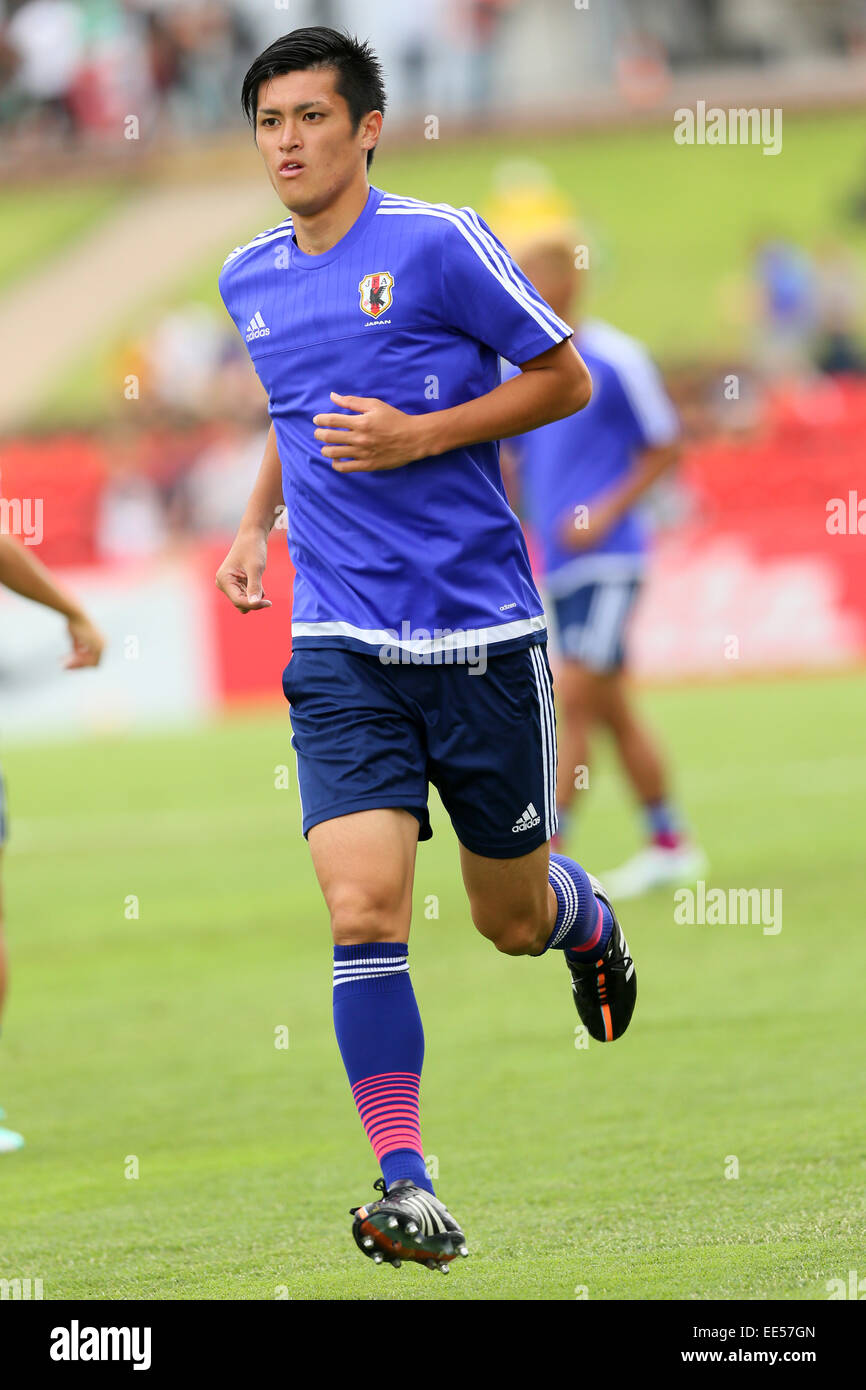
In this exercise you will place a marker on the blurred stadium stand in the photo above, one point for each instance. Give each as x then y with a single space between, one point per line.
77 68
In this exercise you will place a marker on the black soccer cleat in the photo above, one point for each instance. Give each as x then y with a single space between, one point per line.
605 990
407 1223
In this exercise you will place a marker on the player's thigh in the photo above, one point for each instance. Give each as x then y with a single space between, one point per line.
578 692
615 702
365 864
508 898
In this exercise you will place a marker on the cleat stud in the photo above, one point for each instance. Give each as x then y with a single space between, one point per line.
377 1258
368 1242
392 1222
396 1263
445 1268
412 1228
463 1250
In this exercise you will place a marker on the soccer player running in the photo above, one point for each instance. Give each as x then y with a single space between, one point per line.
375 323
580 479
25 575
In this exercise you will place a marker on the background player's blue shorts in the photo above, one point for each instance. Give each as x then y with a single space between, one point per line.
591 623
370 734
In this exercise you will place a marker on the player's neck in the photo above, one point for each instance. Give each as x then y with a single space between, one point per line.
317 234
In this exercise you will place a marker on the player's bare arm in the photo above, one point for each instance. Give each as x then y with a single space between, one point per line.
26 575
240 574
606 510
377 436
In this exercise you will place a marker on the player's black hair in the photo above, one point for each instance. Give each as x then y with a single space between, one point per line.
359 72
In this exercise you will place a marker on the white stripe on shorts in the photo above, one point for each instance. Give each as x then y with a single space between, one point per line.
548 738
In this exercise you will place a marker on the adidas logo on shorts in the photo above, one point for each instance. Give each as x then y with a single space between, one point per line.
527 821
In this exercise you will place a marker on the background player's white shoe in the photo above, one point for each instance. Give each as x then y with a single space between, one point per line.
656 866
10 1141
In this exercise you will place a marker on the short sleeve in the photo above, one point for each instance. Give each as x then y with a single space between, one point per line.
485 294
651 413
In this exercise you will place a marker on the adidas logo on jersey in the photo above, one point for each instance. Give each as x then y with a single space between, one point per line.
257 328
527 821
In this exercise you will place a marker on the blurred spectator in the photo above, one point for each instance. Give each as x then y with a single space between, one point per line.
131 523
642 71
46 41
86 66
784 281
839 296
219 483
486 20
406 40
200 42
181 356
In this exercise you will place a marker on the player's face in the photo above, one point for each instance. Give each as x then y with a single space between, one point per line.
304 134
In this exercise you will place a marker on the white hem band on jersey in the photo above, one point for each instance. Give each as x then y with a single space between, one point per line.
597 568
449 642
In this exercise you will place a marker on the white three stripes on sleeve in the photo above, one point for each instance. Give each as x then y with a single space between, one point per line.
490 255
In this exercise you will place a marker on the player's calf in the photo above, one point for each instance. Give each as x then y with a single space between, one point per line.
574 916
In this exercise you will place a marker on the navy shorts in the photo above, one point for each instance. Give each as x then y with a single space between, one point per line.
591 623
370 734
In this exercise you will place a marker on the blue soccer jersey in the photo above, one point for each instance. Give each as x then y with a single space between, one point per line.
414 306
571 462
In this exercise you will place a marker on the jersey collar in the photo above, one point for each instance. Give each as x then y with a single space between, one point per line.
304 261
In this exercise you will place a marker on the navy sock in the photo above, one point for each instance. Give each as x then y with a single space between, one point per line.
381 1041
583 922
662 823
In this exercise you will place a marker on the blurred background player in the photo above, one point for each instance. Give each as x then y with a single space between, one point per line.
23 574
581 481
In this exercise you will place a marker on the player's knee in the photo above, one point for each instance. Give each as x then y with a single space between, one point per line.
365 914
513 936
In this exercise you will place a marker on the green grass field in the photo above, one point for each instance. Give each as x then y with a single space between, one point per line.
600 1169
